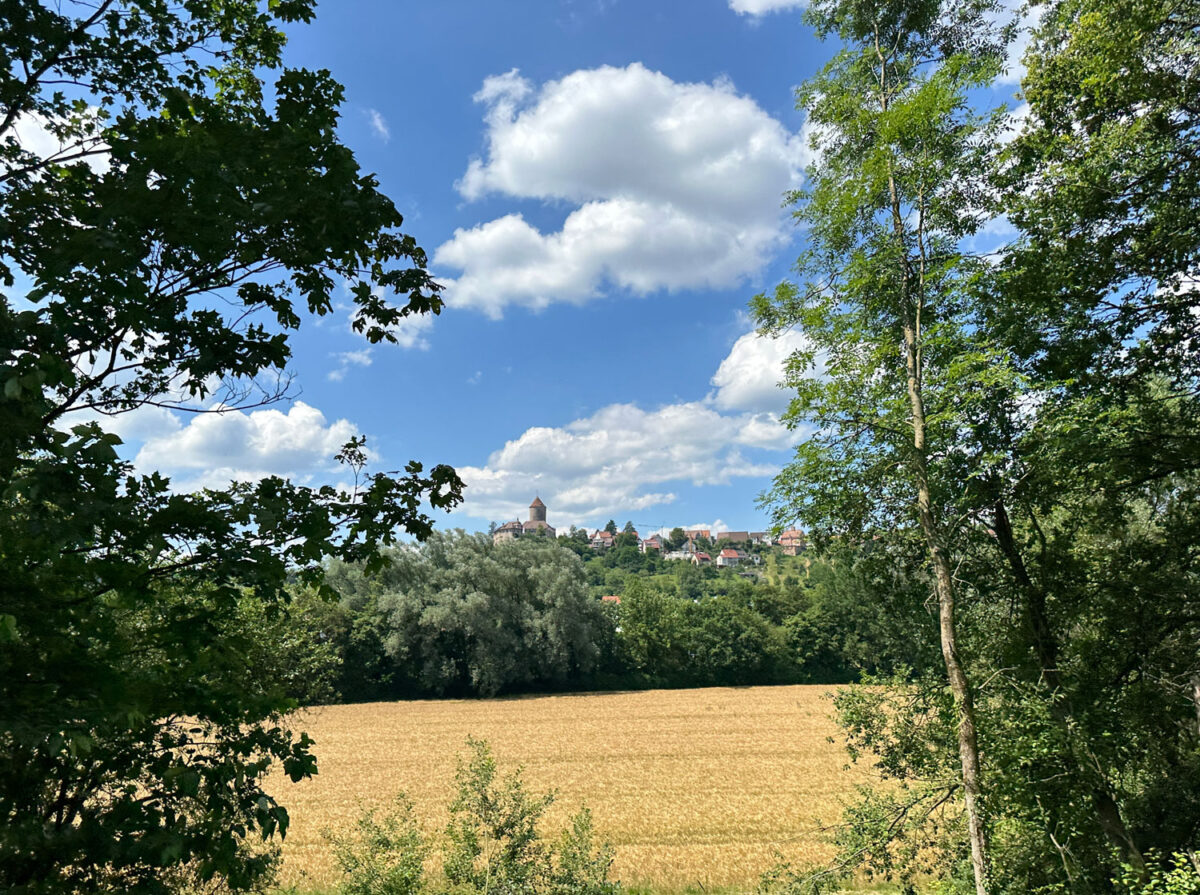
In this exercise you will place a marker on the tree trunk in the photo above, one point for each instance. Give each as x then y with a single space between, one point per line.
968 742
911 305
1196 699
1045 644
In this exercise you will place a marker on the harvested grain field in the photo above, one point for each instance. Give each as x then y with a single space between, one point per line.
692 787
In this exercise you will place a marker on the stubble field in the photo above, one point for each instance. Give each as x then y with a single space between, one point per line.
692 787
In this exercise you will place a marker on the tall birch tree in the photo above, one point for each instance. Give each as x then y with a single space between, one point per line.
893 194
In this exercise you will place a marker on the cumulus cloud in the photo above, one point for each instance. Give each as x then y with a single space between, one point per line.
675 186
1023 16
1016 122
762 7
623 459
213 449
748 378
620 460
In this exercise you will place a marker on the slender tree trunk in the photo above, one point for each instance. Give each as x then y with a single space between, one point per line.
968 741
1045 644
911 304
1196 699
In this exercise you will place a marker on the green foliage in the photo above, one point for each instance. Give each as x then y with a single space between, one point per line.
382 854
493 844
581 865
493 838
461 615
141 693
1178 875
1060 397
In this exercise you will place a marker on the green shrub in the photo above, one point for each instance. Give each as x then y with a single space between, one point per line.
384 853
492 844
581 867
1180 875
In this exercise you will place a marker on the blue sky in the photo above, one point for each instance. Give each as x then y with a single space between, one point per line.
598 184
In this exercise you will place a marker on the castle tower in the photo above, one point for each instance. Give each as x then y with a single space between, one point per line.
537 510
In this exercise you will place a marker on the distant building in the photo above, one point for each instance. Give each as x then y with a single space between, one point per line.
537 519
654 542
694 533
537 524
729 557
611 598
507 532
734 537
602 540
793 542
760 537
701 559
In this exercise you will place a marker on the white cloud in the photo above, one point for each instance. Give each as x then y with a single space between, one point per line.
762 7
665 530
348 359
748 378
675 186
131 426
379 125
1015 123
1024 16
620 460
212 449
623 460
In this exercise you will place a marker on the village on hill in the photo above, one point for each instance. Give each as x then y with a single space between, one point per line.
699 546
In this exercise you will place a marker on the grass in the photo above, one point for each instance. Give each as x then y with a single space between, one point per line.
698 790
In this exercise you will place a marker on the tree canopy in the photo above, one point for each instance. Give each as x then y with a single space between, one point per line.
1012 432
191 218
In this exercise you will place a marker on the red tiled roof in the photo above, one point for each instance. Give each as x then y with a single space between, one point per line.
537 502
611 598
729 554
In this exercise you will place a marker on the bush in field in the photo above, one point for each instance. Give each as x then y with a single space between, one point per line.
492 844
581 866
384 854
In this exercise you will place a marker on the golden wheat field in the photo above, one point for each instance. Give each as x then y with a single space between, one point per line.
692 787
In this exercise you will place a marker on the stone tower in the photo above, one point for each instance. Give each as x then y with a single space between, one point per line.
537 510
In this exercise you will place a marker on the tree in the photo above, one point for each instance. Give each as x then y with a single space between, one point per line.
1095 304
160 259
653 633
884 299
1060 388
677 539
611 527
465 616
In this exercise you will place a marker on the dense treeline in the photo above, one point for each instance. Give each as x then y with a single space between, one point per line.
459 616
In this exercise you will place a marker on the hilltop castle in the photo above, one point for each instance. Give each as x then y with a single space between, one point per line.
536 525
